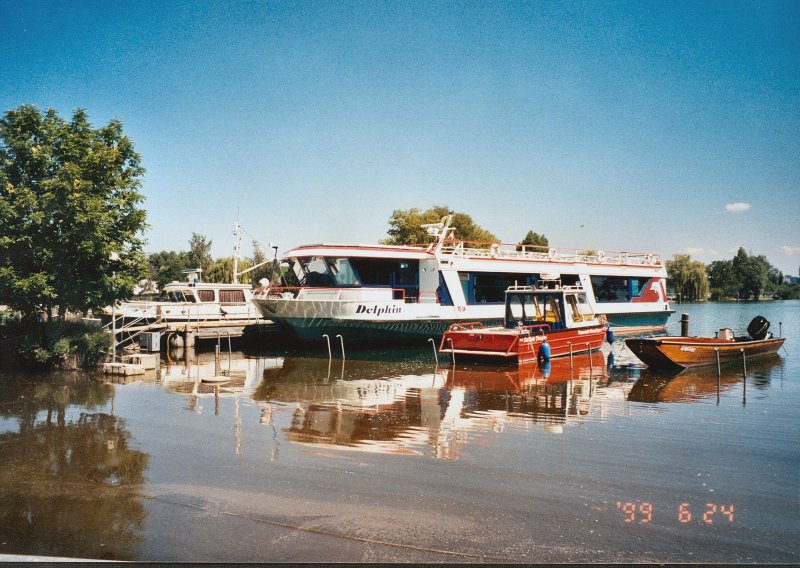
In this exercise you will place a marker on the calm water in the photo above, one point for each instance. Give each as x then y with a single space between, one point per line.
384 457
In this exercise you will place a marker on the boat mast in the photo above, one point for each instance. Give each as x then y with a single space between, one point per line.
237 248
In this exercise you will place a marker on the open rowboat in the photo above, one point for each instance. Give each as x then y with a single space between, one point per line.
683 352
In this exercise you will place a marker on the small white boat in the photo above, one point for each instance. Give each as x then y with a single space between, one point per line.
190 302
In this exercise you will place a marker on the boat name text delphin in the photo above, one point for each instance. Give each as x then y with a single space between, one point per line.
378 310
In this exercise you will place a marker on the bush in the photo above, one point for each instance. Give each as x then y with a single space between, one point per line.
45 346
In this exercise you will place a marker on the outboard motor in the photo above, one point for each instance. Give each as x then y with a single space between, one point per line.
758 328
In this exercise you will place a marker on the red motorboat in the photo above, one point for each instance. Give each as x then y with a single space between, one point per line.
539 323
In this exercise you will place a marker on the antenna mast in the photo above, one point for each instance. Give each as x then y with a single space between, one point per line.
237 248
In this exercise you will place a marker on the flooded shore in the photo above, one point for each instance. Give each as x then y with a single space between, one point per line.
389 457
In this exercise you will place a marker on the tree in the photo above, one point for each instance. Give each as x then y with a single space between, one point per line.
723 280
200 252
70 216
264 271
687 277
405 226
534 240
221 270
167 266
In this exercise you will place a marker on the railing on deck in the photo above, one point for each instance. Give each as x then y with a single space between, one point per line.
462 249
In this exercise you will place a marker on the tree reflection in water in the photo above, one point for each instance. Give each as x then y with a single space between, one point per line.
69 479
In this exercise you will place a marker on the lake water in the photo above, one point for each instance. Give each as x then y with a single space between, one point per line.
383 457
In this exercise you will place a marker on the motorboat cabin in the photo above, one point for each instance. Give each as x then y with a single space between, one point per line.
538 324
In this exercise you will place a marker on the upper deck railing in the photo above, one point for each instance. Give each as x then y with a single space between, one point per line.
467 249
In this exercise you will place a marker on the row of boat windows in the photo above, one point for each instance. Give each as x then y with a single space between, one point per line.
225 296
478 287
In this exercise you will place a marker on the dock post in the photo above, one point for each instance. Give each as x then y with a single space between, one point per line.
452 351
591 370
744 378
188 336
719 373
216 361
684 325
570 356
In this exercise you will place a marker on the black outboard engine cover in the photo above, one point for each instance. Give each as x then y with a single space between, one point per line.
758 328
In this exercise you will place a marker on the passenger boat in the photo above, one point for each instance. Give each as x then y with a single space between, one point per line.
374 293
682 352
192 301
538 323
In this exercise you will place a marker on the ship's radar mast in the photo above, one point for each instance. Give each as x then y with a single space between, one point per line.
439 231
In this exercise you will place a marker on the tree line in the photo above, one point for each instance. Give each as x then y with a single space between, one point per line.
744 277
167 266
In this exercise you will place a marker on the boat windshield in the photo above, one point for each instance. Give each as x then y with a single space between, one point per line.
578 308
322 272
180 296
529 309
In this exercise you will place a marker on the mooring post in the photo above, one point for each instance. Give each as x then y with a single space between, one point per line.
435 356
719 374
569 343
591 370
684 325
744 378
744 363
328 339
216 361
452 351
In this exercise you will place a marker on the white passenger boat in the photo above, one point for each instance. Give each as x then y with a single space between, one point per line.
370 293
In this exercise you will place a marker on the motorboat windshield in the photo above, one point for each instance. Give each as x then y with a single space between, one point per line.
530 307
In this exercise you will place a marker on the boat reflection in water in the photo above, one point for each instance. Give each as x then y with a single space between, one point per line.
702 383
400 408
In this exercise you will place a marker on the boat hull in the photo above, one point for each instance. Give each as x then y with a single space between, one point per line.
685 352
509 346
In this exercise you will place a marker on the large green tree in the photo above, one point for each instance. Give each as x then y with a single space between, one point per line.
405 226
70 215
200 252
687 277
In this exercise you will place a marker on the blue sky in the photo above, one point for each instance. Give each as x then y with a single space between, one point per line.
641 126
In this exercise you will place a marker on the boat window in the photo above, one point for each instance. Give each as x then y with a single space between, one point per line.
490 288
206 295
443 292
549 310
342 272
572 308
315 272
522 310
180 296
610 288
639 285
388 272
231 296
585 308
